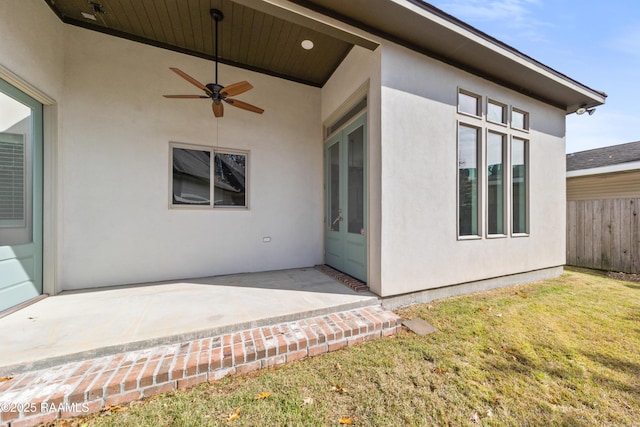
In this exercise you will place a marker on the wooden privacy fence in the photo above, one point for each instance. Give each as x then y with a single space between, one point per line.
604 234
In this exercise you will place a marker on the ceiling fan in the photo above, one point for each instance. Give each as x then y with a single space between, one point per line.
216 92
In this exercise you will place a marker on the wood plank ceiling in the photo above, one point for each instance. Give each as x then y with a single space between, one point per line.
248 38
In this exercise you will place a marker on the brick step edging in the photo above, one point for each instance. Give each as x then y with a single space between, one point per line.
80 388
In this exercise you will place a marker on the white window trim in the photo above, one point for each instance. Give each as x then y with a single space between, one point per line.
480 156
505 113
509 133
212 151
527 199
506 197
245 153
479 103
527 125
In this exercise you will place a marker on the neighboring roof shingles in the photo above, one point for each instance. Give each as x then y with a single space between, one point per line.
606 156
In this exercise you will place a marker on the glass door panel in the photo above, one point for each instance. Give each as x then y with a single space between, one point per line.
334 188
356 181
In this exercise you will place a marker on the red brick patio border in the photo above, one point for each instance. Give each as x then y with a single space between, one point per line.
345 279
84 387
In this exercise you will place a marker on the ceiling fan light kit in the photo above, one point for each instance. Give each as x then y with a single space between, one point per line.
215 91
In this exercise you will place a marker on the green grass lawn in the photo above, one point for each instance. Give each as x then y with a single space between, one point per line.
558 352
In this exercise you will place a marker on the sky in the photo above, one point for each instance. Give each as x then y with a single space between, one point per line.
596 42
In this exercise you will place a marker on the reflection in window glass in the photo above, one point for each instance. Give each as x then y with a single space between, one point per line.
519 120
495 112
12 179
334 187
229 179
191 176
495 183
468 104
356 181
15 139
519 184
468 180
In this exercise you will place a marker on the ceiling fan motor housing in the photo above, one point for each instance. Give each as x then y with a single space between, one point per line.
215 88
216 15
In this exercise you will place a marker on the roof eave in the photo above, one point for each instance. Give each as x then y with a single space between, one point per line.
592 97
454 42
621 167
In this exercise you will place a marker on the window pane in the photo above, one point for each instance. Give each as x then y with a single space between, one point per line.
519 183
468 181
518 120
229 179
16 171
468 104
356 181
12 179
191 177
495 112
334 187
495 183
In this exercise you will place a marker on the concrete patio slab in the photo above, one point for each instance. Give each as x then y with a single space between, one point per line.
86 324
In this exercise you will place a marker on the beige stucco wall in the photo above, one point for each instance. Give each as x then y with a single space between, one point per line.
420 248
31 44
118 227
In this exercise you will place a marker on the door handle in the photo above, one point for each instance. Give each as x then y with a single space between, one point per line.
336 220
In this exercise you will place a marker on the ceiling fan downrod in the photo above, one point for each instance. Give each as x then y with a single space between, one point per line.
217 17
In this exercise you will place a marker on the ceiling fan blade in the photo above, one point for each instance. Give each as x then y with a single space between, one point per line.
236 88
186 96
244 105
191 80
218 109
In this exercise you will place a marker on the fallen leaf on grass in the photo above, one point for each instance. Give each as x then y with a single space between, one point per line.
482 308
109 410
511 353
234 415
522 294
263 395
7 378
440 371
346 421
338 389
338 367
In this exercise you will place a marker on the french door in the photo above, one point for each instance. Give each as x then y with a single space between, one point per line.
20 196
346 197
